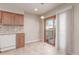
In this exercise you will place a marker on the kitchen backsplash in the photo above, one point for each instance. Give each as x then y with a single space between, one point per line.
11 29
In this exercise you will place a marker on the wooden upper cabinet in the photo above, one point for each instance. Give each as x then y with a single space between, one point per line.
19 19
7 18
12 20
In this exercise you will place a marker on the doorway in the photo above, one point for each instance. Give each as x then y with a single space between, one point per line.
50 30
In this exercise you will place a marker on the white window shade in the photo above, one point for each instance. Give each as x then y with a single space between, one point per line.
62 30
65 30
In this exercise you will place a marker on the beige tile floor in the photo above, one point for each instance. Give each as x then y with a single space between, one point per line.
37 48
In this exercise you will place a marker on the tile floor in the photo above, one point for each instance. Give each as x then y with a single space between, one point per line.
36 48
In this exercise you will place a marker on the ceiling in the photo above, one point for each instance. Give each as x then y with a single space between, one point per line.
29 7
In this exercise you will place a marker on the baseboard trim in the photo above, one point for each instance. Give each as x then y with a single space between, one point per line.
75 53
32 41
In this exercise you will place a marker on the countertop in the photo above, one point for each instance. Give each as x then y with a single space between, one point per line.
8 33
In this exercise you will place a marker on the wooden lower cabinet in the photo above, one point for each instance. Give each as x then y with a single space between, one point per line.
20 40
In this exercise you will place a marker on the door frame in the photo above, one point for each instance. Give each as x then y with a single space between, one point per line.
50 17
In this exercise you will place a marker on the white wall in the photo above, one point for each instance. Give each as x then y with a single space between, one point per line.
76 29
42 30
31 27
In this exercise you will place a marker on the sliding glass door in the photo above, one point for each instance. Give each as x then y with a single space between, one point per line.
50 30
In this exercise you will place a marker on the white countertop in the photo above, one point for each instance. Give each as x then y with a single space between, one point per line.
8 33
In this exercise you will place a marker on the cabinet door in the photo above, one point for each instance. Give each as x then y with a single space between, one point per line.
19 19
12 20
5 18
7 41
20 40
